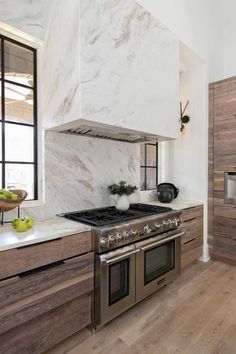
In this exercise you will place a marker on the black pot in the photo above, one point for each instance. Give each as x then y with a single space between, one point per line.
166 192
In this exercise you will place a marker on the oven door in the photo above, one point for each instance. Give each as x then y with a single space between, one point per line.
158 262
114 283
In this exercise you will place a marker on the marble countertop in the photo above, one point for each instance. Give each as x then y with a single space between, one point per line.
45 230
176 204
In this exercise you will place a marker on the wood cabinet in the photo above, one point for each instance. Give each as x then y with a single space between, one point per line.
224 134
192 241
222 158
49 297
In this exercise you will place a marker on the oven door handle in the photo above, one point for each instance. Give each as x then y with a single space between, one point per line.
161 242
119 258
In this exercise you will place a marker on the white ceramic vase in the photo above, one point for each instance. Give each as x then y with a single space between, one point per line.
122 202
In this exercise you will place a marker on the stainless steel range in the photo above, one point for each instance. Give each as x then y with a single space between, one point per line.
136 253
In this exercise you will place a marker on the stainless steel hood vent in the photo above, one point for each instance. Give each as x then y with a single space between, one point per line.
105 131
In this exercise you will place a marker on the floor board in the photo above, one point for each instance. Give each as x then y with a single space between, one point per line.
196 314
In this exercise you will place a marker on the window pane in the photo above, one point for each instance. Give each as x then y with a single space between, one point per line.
151 178
151 155
0 58
20 177
18 104
1 142
18 64
0 99
142 154
0 175
19 143
142 178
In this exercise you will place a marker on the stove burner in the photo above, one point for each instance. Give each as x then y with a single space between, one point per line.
110 215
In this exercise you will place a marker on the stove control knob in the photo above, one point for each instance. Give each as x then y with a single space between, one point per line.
177 221
111 240
173 222
147 229
165 223
104 242
133 233
127 236
119 237
169 221
157 225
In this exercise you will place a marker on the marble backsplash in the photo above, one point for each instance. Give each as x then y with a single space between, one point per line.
79 169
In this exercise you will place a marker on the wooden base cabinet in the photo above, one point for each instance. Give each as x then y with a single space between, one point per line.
192 241
44 305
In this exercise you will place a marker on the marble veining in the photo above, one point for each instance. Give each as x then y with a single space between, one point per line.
30 16
111 62
78 171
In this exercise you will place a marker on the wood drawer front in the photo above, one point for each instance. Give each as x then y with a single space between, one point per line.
227 211
23 259
191 256
193 243
27 297
193 229
191 213
43 332
225 244
225 227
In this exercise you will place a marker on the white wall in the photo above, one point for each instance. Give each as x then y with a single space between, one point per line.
188 162
228 27
197 25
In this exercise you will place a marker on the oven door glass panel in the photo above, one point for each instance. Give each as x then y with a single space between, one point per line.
158 261
118 281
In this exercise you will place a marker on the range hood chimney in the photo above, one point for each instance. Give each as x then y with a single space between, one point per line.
88 128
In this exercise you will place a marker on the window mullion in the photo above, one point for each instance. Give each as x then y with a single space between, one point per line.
3 114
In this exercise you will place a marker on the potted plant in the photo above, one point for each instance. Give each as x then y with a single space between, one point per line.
121 191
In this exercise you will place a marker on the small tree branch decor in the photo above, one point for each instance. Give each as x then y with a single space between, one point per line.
122 188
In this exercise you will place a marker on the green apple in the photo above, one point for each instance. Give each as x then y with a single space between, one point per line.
14 196
14 223
2 196
30 222
7 194
21 226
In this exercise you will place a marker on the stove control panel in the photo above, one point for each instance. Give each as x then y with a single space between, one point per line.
120 238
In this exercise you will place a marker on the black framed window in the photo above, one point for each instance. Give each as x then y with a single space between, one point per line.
18 117
148 166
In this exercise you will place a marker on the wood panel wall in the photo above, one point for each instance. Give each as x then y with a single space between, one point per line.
221 159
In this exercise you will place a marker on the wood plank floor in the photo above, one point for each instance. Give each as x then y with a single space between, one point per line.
196 314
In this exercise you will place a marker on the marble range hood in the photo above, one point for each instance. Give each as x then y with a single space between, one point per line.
111 72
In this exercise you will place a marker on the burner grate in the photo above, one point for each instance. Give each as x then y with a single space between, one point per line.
108 216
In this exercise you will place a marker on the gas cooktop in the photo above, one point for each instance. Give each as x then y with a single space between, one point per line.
110 215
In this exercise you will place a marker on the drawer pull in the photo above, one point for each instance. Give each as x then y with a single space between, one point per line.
192 239
8 281
190 219
41 269
39 243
